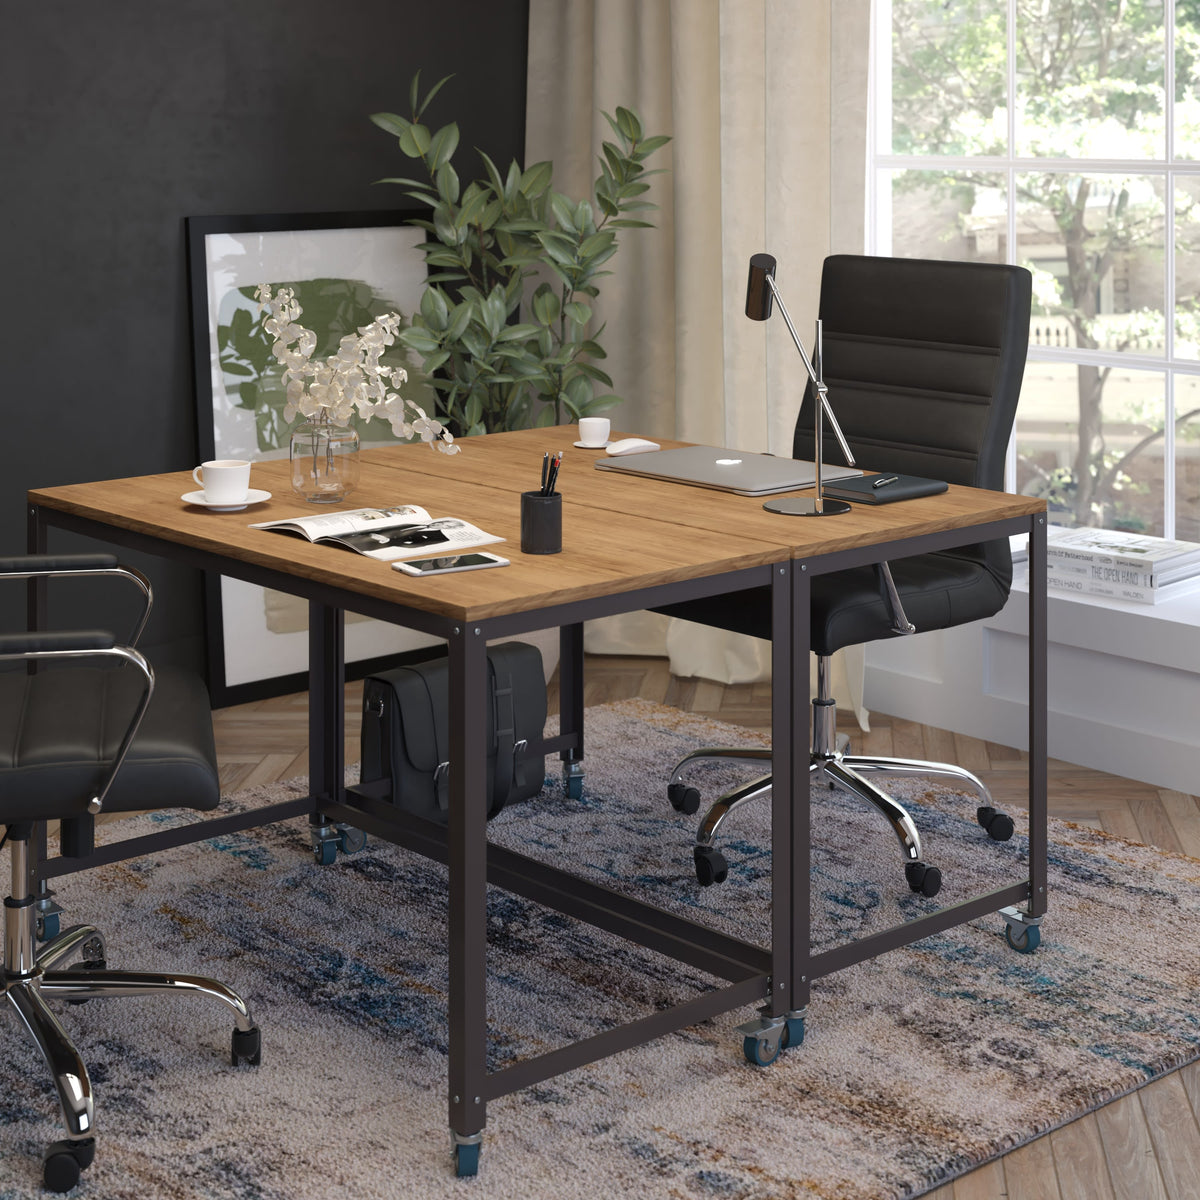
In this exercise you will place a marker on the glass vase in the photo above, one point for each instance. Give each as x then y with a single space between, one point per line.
324 461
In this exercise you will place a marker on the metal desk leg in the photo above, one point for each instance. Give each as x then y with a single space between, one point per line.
467 845
782 1021
326 726
570 705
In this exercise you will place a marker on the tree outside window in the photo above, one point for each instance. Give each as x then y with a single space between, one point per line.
1065 135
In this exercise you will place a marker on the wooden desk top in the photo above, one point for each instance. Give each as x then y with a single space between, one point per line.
518 455
600 557
619 533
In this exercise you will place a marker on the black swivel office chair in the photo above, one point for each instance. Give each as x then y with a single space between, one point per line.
75 738
923 361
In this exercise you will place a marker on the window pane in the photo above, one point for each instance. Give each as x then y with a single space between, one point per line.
1187 458
1187 266
1095 245
948 77
1090 81
1187 79
1089 439
935 214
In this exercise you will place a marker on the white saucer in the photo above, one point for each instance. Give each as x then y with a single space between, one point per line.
253 496
586 446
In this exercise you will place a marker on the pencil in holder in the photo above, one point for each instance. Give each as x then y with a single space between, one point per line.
541 523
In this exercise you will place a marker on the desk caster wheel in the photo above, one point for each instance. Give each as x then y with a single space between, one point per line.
997 825
246 1047
923 879
64 1161
761 1052
573 781
48 927
466 1159
711 866
324 853
683 799
793 1033
1024 939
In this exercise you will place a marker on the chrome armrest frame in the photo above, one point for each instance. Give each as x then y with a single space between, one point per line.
38 566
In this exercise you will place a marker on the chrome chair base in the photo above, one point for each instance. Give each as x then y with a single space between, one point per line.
32 977
829 763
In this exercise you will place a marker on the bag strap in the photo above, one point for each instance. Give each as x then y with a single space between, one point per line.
508 769
439 698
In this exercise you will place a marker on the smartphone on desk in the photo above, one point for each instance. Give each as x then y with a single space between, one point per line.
448 563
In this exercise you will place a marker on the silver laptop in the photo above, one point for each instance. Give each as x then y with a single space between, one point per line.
725 470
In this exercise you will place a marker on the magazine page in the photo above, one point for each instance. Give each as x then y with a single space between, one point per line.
448 535
359 520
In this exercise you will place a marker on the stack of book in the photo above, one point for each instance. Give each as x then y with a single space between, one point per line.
1125 566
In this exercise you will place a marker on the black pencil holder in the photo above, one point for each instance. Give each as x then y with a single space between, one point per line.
541 523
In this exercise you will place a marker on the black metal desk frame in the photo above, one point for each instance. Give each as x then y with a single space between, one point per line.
778 979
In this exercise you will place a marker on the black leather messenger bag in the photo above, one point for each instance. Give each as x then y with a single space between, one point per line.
406 730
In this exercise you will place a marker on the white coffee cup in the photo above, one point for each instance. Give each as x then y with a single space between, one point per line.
593 431
224 480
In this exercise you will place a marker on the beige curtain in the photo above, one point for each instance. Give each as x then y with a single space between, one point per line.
748 91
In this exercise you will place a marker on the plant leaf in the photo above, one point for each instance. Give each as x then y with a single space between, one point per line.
536 179
392 123
429 95
442 146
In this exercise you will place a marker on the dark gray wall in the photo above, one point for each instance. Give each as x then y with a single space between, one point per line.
118 120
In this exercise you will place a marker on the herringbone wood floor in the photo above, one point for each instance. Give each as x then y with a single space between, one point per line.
1145 1146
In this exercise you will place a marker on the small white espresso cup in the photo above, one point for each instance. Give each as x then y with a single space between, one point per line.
224 480
593 431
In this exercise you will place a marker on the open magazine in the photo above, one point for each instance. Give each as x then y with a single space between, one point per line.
386 533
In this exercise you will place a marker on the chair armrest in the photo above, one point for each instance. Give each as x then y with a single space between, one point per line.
26 566
37 647
21 645
63 566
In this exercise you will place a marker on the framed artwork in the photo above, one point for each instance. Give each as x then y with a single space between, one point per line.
346 269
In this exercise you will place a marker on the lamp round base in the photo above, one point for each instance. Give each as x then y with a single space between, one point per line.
807 506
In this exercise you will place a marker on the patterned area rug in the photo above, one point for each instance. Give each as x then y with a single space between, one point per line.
916 1067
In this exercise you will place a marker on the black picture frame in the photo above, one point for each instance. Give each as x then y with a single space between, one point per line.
256 642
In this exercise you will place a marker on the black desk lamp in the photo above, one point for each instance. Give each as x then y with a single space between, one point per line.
760 292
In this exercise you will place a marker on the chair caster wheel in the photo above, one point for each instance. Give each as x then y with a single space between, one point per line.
246 1047
683 799
923 879
1024 939
64 1161
711 866
997 825
466 1159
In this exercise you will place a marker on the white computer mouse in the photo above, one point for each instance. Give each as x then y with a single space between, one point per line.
632 446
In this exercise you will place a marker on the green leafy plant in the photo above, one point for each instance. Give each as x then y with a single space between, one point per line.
504 326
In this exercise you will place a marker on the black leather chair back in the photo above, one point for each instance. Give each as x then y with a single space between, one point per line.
923 360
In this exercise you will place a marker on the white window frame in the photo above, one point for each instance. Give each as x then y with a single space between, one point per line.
879 223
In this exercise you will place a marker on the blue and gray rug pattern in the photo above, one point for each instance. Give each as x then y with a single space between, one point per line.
915 1067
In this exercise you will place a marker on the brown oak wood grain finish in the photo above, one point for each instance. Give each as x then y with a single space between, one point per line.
519 455
619 534
600 556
